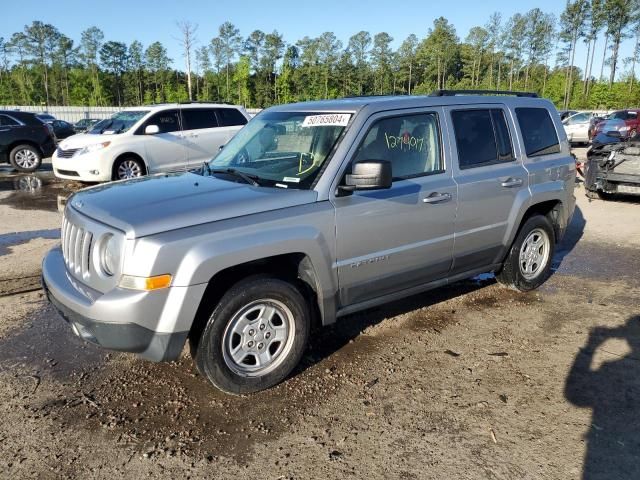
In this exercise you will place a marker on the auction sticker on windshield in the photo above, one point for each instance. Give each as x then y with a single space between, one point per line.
327 120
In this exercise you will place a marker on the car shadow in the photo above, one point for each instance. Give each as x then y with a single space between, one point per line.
324 342
572 236
612 392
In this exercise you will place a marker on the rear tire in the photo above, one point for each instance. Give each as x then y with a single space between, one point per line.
255 336
528 264
25 158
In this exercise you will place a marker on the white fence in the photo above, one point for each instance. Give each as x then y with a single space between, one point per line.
73 114
70 114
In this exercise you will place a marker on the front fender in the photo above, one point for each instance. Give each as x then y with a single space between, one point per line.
196 254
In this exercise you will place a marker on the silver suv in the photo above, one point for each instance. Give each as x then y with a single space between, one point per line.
311 212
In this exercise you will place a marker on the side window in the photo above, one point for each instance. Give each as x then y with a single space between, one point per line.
7 121
197 118
482 137
538 132
411 143
166 121
577 119
230 117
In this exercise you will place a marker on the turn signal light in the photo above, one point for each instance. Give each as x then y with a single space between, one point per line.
145 283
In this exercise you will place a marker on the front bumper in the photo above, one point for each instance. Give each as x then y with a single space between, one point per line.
82 168
91 314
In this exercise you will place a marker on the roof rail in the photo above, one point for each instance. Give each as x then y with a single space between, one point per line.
187 102
451 93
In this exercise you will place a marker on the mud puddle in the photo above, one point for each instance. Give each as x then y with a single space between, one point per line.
599 261
46 346
36 192
168 409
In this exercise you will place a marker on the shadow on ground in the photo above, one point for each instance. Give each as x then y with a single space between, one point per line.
612 392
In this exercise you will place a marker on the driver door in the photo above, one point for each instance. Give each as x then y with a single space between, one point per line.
392 240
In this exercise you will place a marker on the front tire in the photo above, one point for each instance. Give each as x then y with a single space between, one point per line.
127 168
528 264
255 336
25 158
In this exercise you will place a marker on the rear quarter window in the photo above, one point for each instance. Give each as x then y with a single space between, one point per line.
538 132
230 117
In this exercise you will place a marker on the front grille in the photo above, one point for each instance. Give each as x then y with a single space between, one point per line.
68 173
76 248
66 153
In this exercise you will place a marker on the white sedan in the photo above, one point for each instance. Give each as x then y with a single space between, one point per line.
577 127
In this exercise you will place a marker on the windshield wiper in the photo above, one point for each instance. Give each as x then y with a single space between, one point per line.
250 179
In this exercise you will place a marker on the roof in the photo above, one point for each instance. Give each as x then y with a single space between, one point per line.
163 106
388 102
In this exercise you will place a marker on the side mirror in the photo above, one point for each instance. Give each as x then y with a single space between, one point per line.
369 175
151 130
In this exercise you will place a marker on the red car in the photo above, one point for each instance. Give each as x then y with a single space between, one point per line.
631 120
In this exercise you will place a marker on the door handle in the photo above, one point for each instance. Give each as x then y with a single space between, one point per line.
436 197
512 182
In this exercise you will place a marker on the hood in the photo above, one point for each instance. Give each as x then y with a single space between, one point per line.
80 140
160 203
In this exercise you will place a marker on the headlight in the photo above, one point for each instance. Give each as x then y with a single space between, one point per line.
93 148
110 255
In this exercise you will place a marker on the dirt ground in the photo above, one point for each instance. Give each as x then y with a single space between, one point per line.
468 381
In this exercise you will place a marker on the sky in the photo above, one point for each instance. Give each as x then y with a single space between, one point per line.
148 21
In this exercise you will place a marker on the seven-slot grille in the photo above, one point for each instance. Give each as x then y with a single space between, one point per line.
76 248
66 153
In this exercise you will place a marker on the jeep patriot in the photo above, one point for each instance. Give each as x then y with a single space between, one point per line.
311 212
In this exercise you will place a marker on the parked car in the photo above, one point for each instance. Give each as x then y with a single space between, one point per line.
311 212
62 129
85 124
631 122
46 117
142 140
595 120
577 127
566 113
24 140
613 168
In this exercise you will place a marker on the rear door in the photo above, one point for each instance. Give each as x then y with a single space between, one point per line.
165 151
202 135
230 120
489 178
7 131
391 240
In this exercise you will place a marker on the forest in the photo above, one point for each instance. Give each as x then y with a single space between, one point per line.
531 51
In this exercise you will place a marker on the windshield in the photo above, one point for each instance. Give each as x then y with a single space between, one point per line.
118 123
283 149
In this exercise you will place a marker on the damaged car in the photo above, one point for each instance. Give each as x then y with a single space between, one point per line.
613 168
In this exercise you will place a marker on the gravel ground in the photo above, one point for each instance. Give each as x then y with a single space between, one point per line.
468 381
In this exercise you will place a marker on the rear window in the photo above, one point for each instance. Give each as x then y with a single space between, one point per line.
538 132
230 117
197 118
482 137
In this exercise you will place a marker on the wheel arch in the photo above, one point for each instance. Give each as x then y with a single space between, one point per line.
553 209
17 143
135 155
296 268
